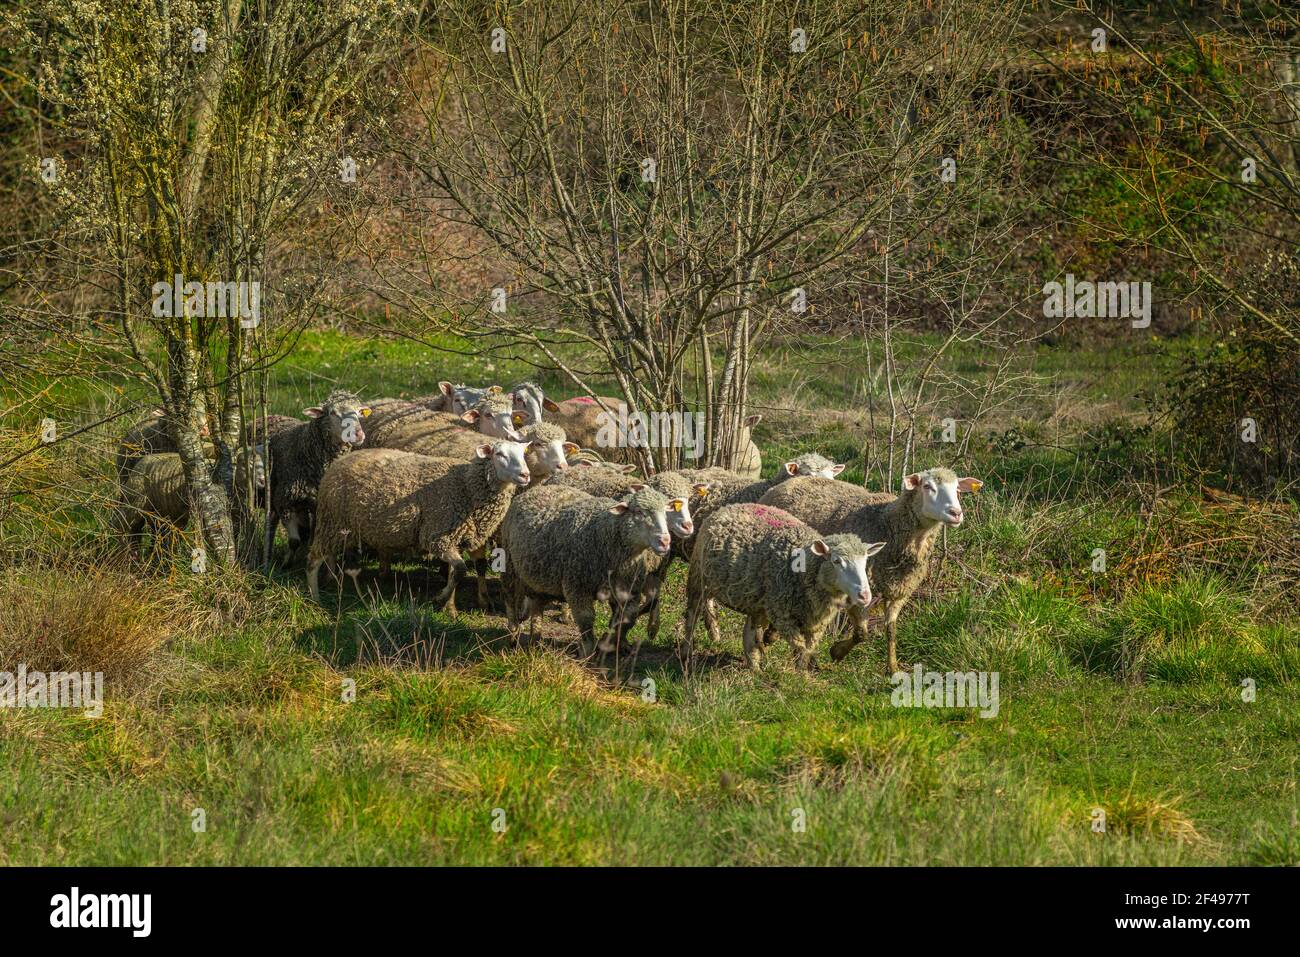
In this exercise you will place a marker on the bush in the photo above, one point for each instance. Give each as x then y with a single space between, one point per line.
1249 373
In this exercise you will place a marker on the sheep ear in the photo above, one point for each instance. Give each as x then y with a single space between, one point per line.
550 406
911 481
315 412
636 487
875 547
628 469
619 508
820 548
571 447
791 468
484 451
753 420
836 470
471 416
701 490
446 388
969 484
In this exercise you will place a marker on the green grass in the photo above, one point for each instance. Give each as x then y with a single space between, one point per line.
374 730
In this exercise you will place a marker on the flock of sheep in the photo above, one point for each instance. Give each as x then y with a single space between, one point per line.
510 475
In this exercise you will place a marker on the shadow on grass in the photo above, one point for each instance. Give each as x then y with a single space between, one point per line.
393 620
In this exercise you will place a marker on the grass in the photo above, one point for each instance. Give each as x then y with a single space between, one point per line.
372 730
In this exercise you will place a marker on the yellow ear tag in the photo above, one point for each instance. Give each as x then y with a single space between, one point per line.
365 413
677 505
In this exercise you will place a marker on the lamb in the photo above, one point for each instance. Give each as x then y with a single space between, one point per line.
907 523
562 544
298 456
396 502
778 572
529 400
153 491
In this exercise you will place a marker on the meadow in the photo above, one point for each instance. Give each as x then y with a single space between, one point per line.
374 730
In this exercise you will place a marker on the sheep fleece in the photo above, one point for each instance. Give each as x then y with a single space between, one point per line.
396 501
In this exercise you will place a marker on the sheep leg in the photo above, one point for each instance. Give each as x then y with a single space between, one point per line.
891 622
584 614
313 576
695 601
650 605
845 645
620 612
753 651
480 573
456 568
805 651
711 621
294 534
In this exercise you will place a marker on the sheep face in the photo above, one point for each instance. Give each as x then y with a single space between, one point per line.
508 461
344 412
939 495
679 518
528 401
646 512
812 465
494 416
844 566
463 397
546 457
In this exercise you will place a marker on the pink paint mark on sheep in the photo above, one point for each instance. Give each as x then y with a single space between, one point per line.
771 517
584 400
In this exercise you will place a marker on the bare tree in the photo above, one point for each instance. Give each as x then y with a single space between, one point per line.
659 187
180 144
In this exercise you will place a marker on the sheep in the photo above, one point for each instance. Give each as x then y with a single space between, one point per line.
153 491
146 437
907 523
298 456
396 425
396 502
778 572
732 488
597 480
458 398
581 417
562 544
529 400
588 422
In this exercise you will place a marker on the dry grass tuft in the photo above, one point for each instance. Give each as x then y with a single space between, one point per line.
88 619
